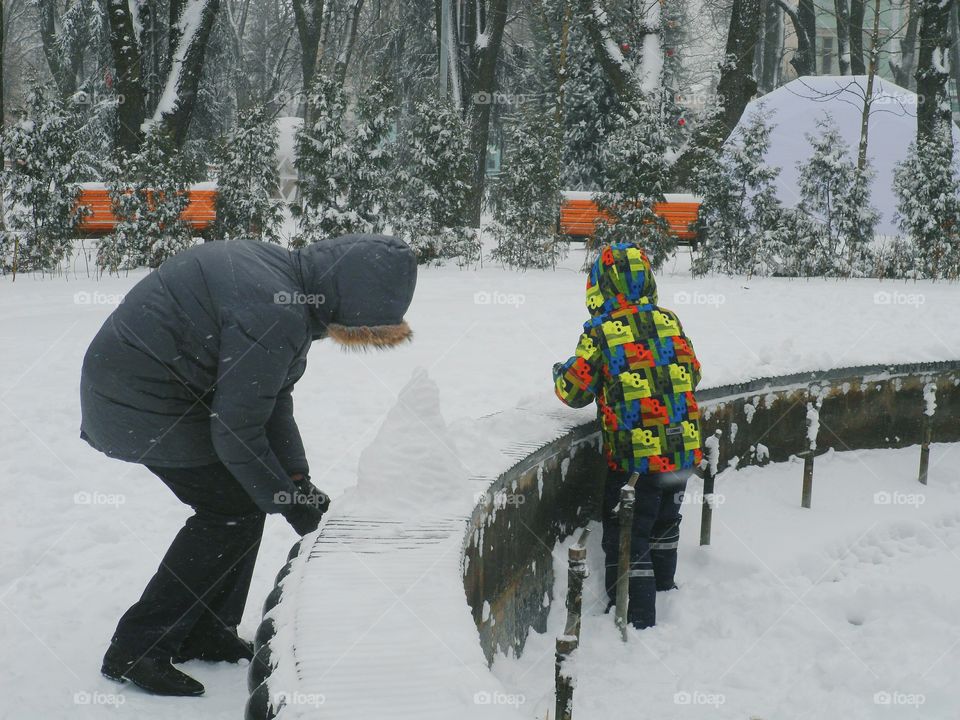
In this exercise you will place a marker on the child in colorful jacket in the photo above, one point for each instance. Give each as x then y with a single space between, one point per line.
635 362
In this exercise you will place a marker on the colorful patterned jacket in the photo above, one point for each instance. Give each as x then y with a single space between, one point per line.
635 361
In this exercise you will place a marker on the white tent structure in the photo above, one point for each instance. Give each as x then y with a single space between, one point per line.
794 109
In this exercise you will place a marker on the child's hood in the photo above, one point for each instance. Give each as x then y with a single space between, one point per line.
621 275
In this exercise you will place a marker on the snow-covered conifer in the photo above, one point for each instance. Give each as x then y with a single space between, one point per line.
741 222
47 163
432 187
636 170
248 181
148 191
928 209
528 196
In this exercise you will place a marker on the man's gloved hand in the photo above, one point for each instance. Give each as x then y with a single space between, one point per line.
314 496
307 506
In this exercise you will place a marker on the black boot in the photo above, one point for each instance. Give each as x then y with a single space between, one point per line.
226 646
152 673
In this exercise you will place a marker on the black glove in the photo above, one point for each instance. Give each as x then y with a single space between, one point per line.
306 506
313 496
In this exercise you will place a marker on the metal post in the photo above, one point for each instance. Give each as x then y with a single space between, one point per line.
927 432
628 495
807 479
706 512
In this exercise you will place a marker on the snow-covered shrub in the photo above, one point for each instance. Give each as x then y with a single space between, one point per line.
432 185
344 171
322 155
528 197
836 197
741 221
148 191
636 168
928 209
248 181
48 160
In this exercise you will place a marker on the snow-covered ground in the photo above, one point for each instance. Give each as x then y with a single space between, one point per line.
84 533
847 609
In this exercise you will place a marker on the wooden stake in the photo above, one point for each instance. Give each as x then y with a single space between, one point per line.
807 479
628 495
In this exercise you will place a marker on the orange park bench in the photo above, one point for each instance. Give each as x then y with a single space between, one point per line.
200 212
579 215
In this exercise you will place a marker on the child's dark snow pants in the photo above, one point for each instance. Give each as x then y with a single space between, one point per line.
656 533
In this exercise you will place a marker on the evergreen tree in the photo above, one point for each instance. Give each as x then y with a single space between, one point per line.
47 163
740 222
322 158
835 196
433 185
635 160
590 110
248 181
344 172
928 209
148 191
528 196
372 160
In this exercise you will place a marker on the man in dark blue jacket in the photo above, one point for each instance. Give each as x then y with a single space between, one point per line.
191 376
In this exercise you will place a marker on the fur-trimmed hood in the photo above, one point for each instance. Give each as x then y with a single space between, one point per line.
363 285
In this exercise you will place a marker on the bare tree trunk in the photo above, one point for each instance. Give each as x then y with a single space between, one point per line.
843 35
308 17
955 49
483 81
868 97
63 78
933 104
128 81
769 48
735 89
348 42
807 17
903 69
804 60
180 92
858 10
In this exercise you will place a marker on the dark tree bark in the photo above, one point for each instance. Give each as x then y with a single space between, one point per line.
348 41
804 60
308 17
903 68
858 9
769 48
842 14
933 103
63 77
735 89
127 81
807 18
482 79
184 77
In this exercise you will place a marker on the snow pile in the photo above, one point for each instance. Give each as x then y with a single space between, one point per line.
412 464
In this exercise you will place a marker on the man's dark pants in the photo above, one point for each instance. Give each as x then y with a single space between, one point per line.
201 586
653 548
